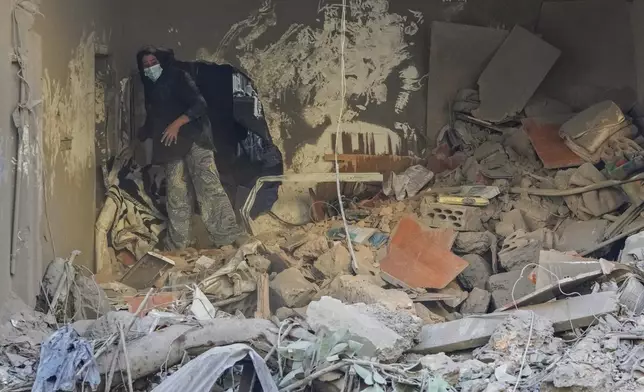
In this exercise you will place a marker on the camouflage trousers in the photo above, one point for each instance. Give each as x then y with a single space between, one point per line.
196 176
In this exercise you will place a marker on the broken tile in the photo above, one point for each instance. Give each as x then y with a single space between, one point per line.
514 73
421 257
550 147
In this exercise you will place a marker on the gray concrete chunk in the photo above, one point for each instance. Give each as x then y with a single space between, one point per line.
472 332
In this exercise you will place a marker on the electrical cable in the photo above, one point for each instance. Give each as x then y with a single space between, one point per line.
343 92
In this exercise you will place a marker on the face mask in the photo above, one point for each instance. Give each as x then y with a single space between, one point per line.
153 72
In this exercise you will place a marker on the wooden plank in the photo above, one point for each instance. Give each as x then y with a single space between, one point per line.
363 163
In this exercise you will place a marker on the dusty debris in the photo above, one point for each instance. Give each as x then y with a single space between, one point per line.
367 324
289 288
477 302
313 248
519 250
477 274
335 262
472 242
360 289
427 315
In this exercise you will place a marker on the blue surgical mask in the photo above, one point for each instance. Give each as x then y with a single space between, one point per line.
153 72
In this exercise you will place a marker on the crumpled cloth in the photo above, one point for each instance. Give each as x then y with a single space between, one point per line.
202 373
61 357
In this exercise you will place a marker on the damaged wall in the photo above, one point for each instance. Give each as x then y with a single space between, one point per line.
7 149
70 30
291 50
57 40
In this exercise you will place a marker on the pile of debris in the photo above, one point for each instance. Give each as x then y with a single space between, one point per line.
485 268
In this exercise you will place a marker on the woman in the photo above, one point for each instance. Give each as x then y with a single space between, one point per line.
177 122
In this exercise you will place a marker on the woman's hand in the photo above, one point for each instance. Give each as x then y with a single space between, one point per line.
170 134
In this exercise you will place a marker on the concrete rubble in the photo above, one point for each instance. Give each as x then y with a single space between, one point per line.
491 265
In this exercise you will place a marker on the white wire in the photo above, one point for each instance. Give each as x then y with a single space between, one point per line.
343 92
525 353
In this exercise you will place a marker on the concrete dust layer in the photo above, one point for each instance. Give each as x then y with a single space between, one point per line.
592 66
457 56
513 75
383 333
507 343
589 366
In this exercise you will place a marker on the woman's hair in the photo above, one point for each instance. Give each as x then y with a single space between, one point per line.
166 59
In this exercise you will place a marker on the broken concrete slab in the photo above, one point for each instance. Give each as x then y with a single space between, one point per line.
472 332
421 257
329 314
582 235
459 218
476 274
458 54
514 74
477 302
545 294
360 289
290 289
501 286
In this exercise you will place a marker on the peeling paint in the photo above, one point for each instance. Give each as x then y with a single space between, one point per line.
68 114
301 71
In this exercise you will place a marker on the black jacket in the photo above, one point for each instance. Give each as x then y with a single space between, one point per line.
171 96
